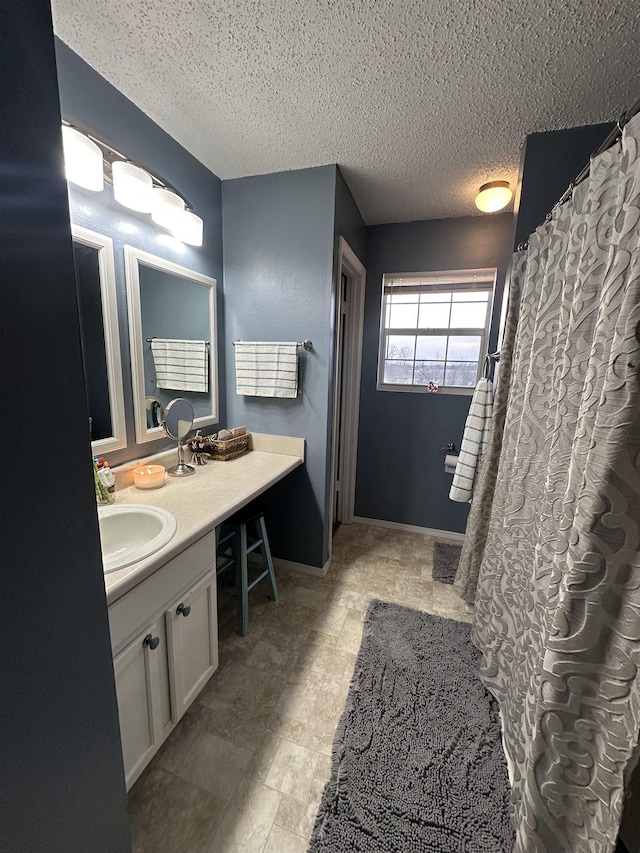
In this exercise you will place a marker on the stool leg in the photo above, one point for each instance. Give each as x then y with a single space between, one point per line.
242 581
266 558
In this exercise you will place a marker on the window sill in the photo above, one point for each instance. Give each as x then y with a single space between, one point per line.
419 389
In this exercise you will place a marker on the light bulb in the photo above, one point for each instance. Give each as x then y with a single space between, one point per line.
132 186
82 159
167 208
493 196
189 228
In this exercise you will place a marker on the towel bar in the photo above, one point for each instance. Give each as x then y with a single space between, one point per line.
207 343
306 344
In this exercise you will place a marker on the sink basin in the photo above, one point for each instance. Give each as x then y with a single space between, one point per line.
131 533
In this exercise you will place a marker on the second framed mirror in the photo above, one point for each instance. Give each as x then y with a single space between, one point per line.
172 329
96 285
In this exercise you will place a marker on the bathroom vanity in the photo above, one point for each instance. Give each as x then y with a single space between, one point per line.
162 610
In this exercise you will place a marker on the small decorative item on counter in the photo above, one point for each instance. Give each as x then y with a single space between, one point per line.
237 431
103 495
148 477
432 386
220 447
198 457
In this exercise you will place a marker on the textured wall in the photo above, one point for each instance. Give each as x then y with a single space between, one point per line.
549 162
278 262
88 99
400 470
62 777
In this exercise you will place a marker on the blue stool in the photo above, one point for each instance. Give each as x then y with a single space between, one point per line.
232 549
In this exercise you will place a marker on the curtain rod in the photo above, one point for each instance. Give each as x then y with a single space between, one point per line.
610 139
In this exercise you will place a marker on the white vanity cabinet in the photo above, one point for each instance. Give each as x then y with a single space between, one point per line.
144 706
164 636
192 640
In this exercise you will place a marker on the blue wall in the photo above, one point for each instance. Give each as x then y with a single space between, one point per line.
278 265
348 221
400 474
549 162
62 778
88 100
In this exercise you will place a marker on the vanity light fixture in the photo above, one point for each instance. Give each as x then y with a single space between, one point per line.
88 161
493 196
132 186
189 228
82 159
166 208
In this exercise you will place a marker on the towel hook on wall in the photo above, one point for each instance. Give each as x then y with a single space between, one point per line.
488 359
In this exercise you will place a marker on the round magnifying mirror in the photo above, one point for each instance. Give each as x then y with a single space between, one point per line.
178 420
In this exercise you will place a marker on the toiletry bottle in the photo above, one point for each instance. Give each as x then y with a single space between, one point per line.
109 479
102 492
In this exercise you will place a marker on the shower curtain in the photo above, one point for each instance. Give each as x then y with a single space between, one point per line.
553 541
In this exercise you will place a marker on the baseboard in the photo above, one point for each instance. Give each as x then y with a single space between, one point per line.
302 568
410 528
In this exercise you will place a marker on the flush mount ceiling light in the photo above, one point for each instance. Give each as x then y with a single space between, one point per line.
132 186
493 196
82 159
167 207
189 228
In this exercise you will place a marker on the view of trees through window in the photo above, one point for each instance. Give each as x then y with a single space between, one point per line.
434 334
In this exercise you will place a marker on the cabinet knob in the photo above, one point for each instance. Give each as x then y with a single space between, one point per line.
184 610
151 641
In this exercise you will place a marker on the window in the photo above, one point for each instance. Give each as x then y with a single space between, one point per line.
434 328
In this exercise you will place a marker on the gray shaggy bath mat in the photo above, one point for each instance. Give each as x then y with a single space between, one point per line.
417 760
446 558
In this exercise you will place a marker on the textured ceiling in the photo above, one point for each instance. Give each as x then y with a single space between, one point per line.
419 102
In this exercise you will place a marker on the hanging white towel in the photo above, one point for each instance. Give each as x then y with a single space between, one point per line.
266 369
181 365
474 442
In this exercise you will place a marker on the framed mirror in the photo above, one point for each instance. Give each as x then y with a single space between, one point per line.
95 281
172 333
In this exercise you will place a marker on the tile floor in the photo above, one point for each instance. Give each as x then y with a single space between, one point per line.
244 770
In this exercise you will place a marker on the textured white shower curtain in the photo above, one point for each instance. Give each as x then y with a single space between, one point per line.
553 542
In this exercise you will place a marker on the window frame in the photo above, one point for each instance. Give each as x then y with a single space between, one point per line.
447 281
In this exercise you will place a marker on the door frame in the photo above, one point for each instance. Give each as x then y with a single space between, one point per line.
352 267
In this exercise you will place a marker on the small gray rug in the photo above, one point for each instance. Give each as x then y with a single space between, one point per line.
446 558
417 760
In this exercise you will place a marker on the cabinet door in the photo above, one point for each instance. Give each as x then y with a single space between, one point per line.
192 640
141 675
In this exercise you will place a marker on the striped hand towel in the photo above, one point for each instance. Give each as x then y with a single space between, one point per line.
181 365
266 369
474 442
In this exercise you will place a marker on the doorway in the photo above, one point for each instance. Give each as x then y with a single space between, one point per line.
349 321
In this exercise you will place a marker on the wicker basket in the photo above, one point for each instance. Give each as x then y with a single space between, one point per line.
222 451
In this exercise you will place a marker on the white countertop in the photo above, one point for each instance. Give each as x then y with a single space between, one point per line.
202 501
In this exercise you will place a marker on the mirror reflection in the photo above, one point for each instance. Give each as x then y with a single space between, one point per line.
95 283
179 419
155 412
172 329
